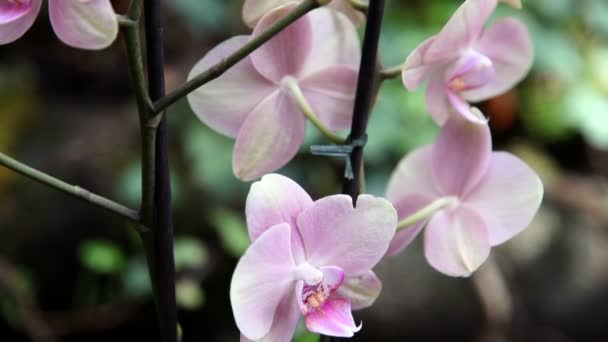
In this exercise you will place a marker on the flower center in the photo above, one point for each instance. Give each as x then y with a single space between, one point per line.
471 70
313 295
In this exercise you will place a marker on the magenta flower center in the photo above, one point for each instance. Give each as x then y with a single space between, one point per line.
313 297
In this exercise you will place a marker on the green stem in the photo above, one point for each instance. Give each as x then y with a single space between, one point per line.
426 212
226 63
73 190
391 72
359 5
298 97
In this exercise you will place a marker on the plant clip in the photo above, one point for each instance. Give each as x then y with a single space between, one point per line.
342 151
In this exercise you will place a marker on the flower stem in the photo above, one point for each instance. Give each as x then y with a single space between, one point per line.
226 63
391 72
298 97
73 190
163 226
425 212
359 5
366 88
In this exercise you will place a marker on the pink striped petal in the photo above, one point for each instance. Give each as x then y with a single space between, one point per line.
90 24
507 198
456 242
361 291
331 94
333 319
254 10
461 156
263 278
355 239
461 31
269 137
417 66
224 103
508 44
286 53
413 175
276 199
335 42
16 19
405 207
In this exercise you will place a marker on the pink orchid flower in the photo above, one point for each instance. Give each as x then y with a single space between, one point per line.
84 24
252 102
254 10
464 62
485 197
310 259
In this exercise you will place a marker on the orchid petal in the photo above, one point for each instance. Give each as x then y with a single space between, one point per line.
343 6
276 199
90 24
285 53
355 239
331 94
437 101
413 175
465 110
461 155
456 241
334 40
361 290
405 207
284 324
269 137
507 43
16 19
461 31
335 318
261 281
507 198
254 10
224 103
416 66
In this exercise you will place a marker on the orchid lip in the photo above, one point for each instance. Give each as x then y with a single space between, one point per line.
12 10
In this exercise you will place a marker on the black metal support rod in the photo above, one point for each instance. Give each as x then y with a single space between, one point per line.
163 227
365 93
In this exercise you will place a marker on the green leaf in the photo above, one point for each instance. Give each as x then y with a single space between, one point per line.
189 294
136 278
189 253
232 231
101 256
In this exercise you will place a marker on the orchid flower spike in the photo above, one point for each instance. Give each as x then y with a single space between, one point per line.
84 24
254 10
253 101
481 198
465 63
310 259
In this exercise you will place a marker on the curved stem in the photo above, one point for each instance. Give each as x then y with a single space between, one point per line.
240 54
426 212
298 97
69 189
391 72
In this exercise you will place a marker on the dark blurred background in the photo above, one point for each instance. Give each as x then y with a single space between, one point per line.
78 273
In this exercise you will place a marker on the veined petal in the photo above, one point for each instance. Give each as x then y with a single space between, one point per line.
361 291
413 175
417 66
284 54
224 103
254 10
269 138
331 94
461 155
89 24
16 19
284 324
312 297
335 318
334 42
456 241
407 206
355 239
461 31
263 278
276 199
437 101
507 198
507 43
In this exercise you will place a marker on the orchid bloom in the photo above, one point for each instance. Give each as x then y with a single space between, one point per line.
310 259
482 198
318 55
84 24
254 10
465 63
